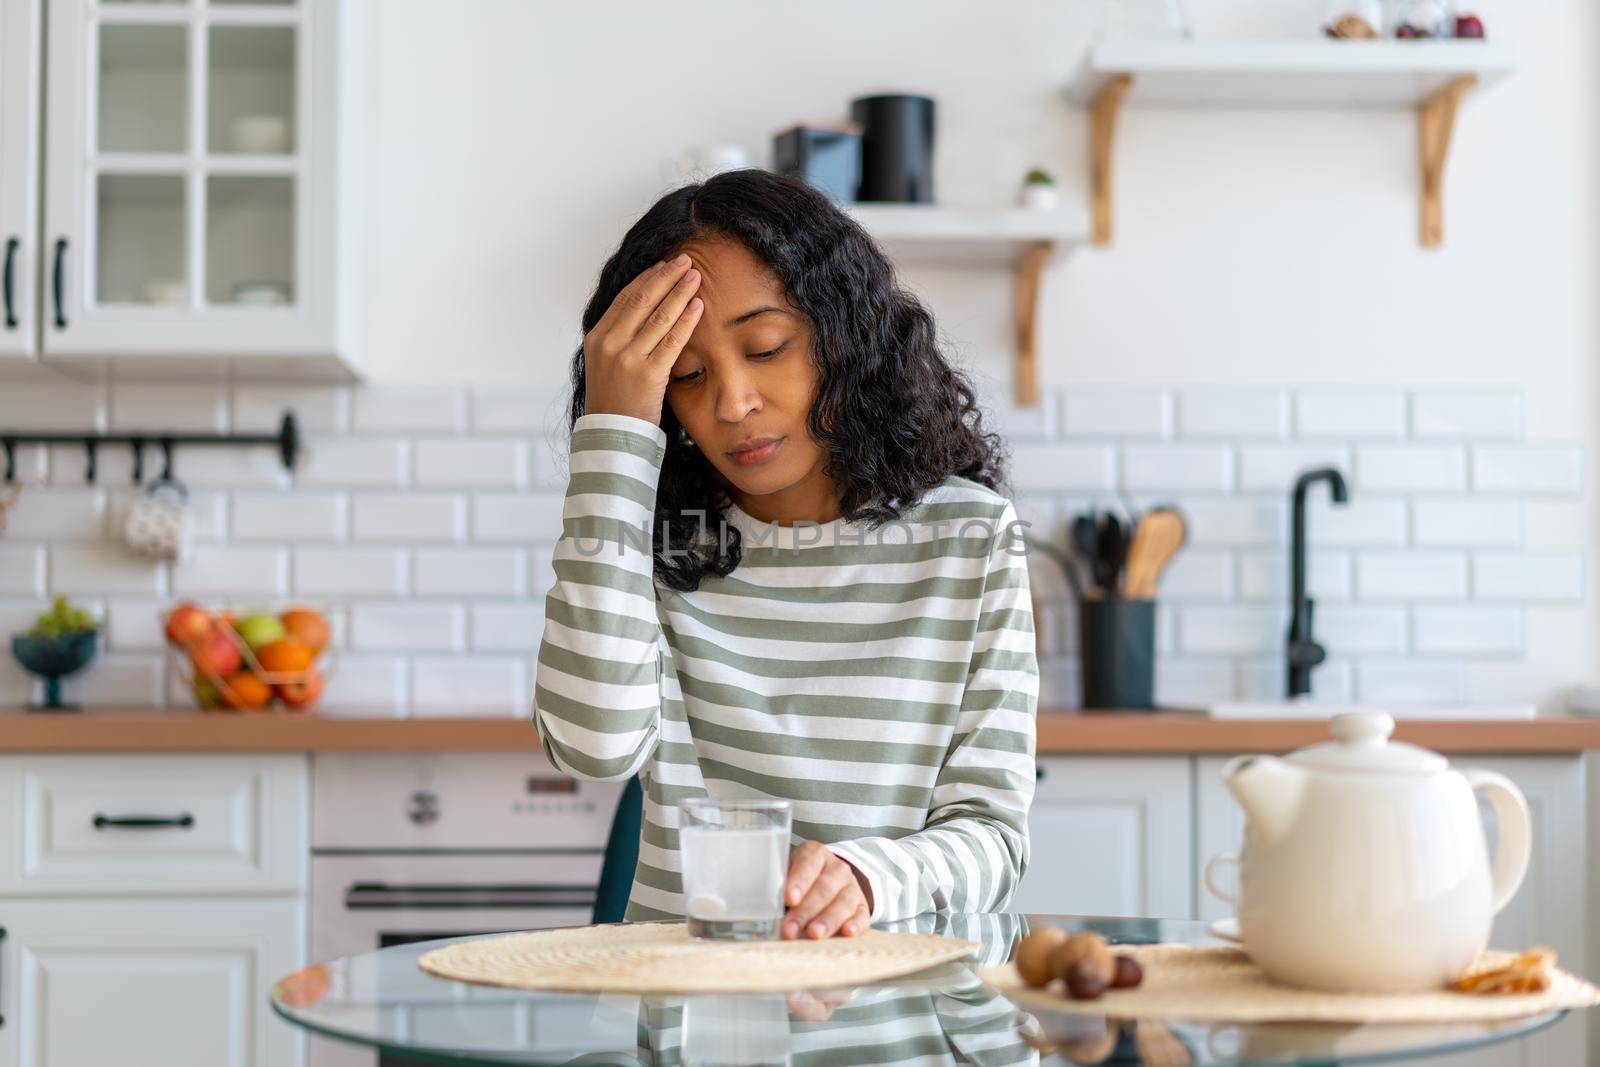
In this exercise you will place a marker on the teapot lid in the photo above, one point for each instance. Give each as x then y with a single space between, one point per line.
1361 744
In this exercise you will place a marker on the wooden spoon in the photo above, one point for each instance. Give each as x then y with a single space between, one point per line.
1161 532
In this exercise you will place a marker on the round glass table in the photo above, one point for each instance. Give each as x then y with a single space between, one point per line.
381 1000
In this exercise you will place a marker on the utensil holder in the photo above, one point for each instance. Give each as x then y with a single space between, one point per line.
1117 651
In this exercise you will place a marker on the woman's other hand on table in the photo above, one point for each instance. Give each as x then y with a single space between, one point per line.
824 894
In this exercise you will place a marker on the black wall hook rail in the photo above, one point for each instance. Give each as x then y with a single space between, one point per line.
286 440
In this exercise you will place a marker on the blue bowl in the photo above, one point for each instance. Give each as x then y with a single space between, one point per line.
53 658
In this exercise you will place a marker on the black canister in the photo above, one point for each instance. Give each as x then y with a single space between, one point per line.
1117 642
896 148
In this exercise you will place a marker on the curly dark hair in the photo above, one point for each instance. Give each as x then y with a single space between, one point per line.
893 416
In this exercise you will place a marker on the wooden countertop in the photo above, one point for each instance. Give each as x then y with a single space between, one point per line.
1060 733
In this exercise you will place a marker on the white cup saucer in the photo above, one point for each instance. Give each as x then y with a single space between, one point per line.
1225 930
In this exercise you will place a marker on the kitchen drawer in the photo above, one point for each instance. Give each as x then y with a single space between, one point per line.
113 825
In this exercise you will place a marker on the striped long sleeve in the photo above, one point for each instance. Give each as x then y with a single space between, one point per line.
973 849
597 694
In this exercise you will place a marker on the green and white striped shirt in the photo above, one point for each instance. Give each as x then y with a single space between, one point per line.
884 681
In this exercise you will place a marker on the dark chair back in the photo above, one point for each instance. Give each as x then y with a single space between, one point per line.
622 855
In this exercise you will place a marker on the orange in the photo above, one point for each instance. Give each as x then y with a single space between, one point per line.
285 656
245 691
306 626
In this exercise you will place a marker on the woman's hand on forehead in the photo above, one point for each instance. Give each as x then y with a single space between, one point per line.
628 355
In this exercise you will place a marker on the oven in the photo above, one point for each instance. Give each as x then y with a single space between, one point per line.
416 846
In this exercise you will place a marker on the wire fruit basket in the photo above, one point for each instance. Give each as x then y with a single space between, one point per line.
251 659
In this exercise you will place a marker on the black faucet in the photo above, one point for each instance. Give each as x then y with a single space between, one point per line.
1303 652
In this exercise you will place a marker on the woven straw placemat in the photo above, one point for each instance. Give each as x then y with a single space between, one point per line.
663 958
1205 984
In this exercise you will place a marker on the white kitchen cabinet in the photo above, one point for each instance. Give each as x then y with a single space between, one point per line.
149 901
21 31
139 824
1110 836
1550 909
150 983
201 182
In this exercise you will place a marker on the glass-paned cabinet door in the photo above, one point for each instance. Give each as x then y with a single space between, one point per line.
179 177
21 67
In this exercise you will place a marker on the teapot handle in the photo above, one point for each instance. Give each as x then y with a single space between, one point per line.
1511 853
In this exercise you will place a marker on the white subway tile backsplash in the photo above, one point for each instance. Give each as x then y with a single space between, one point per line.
58 515
64 406
1480 415
480 463
1403 682
102 568
367 686
1349 630
1062 466
1527 577
408 409
1465 522
1102 413
1360 522
170 406
499 627
1177 468
1233 413
1527 468
1468 630
434 509
135 626
1410 468
318 409
21 570
1198 574
401 626
406 518
469 572
1242 522
357 464
469 686
334 572
232 572
1350 414
1274 468
1265 576
521 412
518 517
302 516
118 681
1408 576
1229 630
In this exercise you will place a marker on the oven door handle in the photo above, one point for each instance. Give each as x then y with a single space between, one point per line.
376 896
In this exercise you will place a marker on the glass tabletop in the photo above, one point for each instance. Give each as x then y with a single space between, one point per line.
382 1000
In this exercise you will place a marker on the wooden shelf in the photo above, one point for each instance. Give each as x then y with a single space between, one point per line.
1430 77
1021 239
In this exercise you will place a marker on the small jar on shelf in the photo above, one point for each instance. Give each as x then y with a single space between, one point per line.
1422 19
1353 20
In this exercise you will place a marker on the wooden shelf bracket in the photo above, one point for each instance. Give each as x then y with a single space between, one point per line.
1102 129
1436 118
1029 277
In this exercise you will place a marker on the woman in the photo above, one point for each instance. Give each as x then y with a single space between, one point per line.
785 569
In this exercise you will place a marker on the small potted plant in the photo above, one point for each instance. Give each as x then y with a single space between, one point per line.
62 642
1039 191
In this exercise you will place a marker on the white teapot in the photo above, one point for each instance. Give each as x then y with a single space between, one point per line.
1364 865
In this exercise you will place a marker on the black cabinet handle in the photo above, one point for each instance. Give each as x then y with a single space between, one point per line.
2 968
1038 773
10 284
60 283
143 822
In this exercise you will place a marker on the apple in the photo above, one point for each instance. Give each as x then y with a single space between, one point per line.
259 630
302 694
215 654
187 623
1469 26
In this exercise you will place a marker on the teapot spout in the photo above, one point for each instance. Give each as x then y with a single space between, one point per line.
1269 790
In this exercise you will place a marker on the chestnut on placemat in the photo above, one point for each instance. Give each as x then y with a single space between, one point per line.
663 958
1206 984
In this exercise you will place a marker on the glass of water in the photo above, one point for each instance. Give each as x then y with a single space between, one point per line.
735 855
